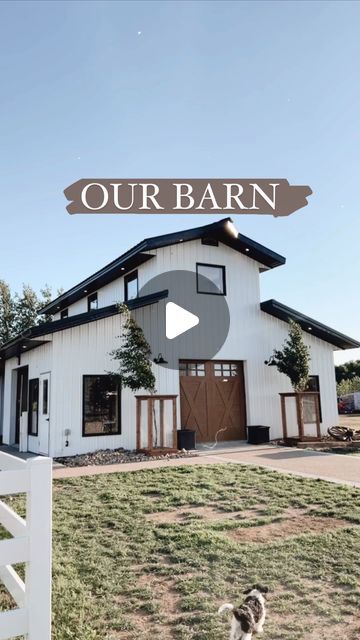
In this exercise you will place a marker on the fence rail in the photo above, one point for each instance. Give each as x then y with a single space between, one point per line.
30 544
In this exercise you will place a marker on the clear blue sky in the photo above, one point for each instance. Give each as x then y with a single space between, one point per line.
207 89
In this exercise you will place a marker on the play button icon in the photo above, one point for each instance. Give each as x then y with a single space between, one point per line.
189 323
178 320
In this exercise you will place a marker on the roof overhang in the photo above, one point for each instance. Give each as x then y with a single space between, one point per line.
309 325
223 231
35 336
115 269
19 346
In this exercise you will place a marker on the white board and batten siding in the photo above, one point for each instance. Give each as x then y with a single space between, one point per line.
253 334
30 544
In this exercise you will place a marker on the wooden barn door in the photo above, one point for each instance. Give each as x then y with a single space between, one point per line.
212 399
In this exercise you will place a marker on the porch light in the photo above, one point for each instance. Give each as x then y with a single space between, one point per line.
232 229
160 359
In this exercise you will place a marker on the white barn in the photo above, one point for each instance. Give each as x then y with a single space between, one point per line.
54 381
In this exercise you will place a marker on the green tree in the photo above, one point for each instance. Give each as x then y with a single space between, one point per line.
348 386
133 357
27 307
348 370
46 297
20 312
293 358
7 313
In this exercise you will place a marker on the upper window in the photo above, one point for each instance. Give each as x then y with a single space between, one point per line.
210 278
101 406
131 286
92 302
33 417
64 314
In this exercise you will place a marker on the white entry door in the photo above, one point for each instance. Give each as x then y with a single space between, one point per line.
44 413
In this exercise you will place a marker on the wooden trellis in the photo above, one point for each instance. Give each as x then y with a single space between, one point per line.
150 402
299 397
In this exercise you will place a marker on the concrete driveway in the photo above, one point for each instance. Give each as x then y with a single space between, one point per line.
342 469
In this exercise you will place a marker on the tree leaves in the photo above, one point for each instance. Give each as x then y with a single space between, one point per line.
20 311
293 359
135 371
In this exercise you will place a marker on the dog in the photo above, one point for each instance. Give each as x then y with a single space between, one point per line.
249 617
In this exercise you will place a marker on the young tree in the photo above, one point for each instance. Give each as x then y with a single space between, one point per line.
7 313
133 357
293 359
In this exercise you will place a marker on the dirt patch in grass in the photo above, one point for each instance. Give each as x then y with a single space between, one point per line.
290 624
204 513
287 527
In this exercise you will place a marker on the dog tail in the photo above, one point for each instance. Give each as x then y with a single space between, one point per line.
225 607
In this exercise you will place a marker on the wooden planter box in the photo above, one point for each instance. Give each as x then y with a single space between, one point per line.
158 451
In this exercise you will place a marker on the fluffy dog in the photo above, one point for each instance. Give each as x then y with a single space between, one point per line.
249 617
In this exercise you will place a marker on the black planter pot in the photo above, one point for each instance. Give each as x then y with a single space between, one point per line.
258 434
186 439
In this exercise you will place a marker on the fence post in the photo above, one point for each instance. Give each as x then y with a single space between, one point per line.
38 569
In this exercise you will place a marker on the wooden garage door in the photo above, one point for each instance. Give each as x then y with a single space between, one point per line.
212 398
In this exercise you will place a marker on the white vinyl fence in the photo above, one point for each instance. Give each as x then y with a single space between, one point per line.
30 544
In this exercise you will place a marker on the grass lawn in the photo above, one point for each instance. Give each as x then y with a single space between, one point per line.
154 553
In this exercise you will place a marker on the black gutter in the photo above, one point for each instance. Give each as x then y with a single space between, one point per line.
309 325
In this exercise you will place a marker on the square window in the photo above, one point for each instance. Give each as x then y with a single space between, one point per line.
210 279
101 406
131 286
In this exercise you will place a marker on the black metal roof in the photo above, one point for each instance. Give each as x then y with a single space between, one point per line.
223 231
315 328
30 339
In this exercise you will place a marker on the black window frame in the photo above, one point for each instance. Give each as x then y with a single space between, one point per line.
92 298
130 277
32 383
217 266
100 435
64 314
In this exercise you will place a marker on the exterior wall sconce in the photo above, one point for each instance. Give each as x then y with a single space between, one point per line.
160 359
67 432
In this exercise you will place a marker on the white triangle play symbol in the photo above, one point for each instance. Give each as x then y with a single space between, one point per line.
178 320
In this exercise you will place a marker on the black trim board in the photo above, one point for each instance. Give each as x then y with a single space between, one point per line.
309 325
221 231
28 340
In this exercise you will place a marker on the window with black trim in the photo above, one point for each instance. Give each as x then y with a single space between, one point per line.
210 279
101 406
131 282
33 416
93 302
64 314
